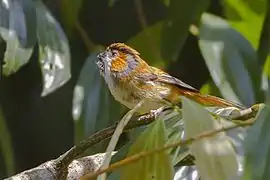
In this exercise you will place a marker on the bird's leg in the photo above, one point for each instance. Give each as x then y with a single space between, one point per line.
153 113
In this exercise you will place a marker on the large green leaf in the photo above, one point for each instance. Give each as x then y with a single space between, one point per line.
18 29
215 156
157 166
175 31
231 60
147 42
92 102
251 16
257 147
54 55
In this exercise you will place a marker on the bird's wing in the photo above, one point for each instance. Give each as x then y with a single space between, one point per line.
157 75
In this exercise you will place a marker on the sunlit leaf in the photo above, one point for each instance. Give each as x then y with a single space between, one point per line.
70 11
175 30
210 88
215 157
92 102
17 28
257 146
186 173
157 166
147 42
231 60
54 55
251 16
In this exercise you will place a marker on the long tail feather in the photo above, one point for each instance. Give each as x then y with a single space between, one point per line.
208 100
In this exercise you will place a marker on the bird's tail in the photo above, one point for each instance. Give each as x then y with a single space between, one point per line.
208 100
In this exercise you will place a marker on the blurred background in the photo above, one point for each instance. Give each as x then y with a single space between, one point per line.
35 128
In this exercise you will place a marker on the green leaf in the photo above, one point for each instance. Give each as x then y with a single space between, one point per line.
17 28
266 77
257 146
231 60
115 138
175 31
70 11
215 156
147 42
6 146
210 88
93 103
54 55
157 166
266 69
251 16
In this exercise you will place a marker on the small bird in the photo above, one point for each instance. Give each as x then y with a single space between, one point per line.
131 80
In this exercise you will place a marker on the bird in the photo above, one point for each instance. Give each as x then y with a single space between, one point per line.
131 80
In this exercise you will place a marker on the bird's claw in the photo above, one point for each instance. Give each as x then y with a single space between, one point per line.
153 114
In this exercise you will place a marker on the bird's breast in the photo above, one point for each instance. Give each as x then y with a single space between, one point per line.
130 96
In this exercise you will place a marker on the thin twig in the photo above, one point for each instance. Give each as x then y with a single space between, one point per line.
144 154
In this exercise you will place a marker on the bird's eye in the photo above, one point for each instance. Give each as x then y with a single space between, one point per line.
114 53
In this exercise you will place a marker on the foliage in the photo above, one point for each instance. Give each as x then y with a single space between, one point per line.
235 49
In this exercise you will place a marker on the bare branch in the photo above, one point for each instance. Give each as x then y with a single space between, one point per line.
62 167
76 169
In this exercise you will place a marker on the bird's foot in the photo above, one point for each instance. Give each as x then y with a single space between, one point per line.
153 114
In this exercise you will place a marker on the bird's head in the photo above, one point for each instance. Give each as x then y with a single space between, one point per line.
118 61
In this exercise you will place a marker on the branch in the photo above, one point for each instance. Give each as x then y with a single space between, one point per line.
144 154
64 160
64 166
76 169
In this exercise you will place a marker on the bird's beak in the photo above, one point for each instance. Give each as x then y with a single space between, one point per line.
100 61
101 55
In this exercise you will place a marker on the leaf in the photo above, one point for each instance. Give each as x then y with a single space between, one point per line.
231 60
147 42
115 138
266 78
175 130
251 16
215 157
157 166
17 29
70 11
54 55
6 146
257 146
175 30
186 173
92 102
